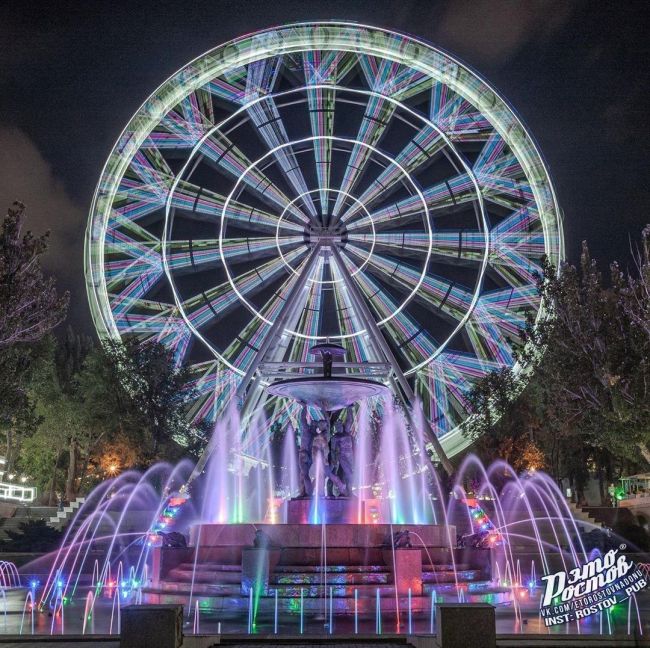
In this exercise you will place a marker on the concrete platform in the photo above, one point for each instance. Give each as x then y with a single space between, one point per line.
307 641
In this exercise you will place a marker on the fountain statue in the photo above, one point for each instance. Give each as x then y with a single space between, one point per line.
342 451
331 393
307 432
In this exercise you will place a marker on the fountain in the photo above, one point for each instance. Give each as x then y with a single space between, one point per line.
343 527
487 537
336 535
374 545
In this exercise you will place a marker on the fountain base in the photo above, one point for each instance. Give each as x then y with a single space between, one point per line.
312 558
333 510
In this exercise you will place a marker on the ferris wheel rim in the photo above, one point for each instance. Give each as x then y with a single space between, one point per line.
159 103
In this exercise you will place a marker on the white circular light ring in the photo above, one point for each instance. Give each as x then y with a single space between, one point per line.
334 139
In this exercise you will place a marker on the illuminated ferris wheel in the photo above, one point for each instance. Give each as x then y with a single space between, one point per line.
324 182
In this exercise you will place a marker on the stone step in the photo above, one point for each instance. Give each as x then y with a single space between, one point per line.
450 576
445 567
208 589
330 568
62 517
204 576
335 555
212 566
285 591
333 577
473 587
287 607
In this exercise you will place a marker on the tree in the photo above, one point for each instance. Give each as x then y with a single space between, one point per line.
33 536
29 309
586 404
69 425
29 304
60 409
152 394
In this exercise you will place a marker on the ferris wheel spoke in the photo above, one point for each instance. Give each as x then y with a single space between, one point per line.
448 194
456 116
460 371
496 171
421 151
266 117
517 245
190 255
148 319
374 122
201 204
131 251
386 79
437 293
447 246
321 116
248 343
252 87
308 321
412 341
209 306
320 68
213 385
227 158
350 322
144 188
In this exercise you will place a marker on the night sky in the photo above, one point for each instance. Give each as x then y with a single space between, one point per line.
73 73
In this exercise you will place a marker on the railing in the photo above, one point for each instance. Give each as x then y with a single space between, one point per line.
17 492
282 369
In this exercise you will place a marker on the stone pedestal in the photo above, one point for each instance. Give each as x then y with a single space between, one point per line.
151 626
406 568
466 624
331 510
256 565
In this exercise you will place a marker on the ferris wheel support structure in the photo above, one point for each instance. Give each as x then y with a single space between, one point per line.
243 393
397 378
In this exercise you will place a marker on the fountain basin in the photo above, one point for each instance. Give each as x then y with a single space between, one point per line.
328 394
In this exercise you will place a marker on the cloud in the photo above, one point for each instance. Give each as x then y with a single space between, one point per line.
495 31
26 176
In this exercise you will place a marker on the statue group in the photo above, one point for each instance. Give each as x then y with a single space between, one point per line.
328 443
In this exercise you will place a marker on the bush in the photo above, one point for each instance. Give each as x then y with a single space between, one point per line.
33 536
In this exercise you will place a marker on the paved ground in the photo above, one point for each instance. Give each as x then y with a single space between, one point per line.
504 641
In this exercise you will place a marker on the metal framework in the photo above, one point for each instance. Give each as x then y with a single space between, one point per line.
324 181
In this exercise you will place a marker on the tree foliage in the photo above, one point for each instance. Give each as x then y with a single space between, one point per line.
98 410
151 391
587 403
30 306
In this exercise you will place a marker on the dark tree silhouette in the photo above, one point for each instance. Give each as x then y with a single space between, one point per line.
30 306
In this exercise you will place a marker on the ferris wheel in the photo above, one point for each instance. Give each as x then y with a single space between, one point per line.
324 182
